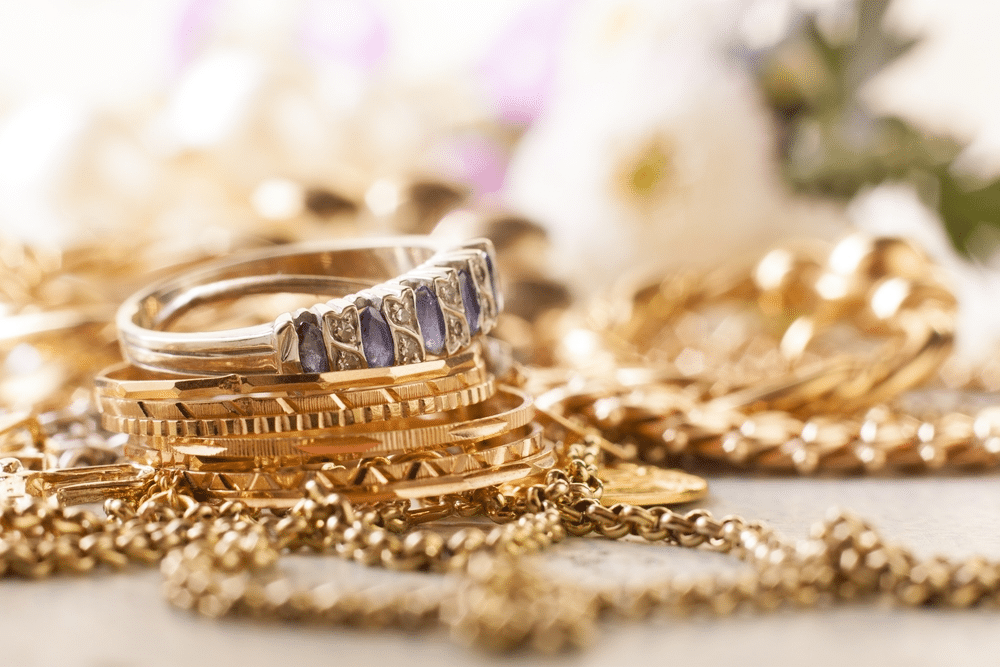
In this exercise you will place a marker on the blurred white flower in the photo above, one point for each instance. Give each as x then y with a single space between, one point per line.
213 98
261 92
654 151
36 140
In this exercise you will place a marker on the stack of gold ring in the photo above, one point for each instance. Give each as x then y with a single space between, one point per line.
383 391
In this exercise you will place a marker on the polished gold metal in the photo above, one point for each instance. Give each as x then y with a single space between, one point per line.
394 269
15 424
647 486
296 418
881 287
219 560
90 484
797 403
414 475
131 382
507 410
59 303
293 399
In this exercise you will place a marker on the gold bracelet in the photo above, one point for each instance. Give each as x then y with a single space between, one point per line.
289 402
506 411
500 460
428 302
135 383
170 459
302 421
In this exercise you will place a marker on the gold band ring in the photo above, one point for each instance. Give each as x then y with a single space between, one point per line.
303 421
508 410
289 402
501 460
131 382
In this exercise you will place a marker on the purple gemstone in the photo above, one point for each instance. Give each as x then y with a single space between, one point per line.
431 320
469 299
493 278
312 349
376 338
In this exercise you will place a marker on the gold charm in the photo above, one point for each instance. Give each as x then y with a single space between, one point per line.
649 485
86 484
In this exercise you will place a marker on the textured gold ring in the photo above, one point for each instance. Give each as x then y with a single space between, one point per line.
425 302
289 402
135 383
292 421
507 411
498 461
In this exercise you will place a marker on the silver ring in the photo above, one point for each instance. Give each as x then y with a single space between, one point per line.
397 301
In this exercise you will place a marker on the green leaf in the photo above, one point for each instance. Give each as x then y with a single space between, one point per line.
832 145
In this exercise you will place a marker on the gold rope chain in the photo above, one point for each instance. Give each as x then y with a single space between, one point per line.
221 559
773 388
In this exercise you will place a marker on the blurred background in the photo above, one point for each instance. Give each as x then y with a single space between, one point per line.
588 139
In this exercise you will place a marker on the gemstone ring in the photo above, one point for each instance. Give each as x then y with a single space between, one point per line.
395 302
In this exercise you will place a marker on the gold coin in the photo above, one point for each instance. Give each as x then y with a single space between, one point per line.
649 485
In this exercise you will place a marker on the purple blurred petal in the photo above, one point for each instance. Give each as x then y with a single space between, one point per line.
195 24
477 161
520 69
352 32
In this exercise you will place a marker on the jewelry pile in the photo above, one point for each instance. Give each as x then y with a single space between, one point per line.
359 426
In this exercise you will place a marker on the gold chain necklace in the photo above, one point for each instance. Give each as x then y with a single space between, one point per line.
222 559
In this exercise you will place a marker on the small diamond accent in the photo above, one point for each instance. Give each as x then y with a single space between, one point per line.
348 362
456 332
409 350
449 292
343 330
399 313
